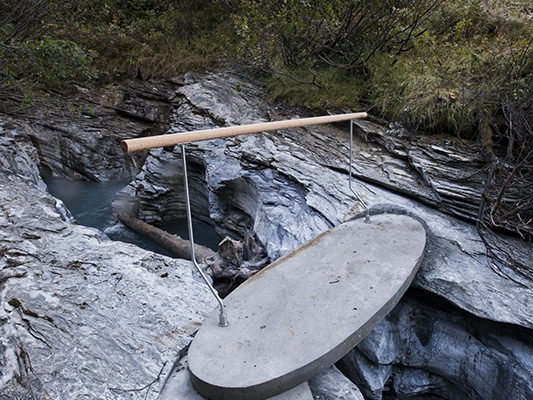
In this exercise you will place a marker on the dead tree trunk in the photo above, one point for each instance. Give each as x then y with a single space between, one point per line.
233 263
177 246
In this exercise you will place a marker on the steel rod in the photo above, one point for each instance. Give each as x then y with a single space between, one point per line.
172 139
367 211
222 317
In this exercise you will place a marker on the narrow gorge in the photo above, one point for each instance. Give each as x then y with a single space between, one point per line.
90 317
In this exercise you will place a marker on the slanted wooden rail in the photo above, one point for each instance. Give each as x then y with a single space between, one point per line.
206 134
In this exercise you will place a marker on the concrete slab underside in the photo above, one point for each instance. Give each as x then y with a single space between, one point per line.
305 311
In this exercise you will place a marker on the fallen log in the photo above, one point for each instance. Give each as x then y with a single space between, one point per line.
234 263
177 246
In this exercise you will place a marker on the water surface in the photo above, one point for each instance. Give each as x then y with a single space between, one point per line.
90 203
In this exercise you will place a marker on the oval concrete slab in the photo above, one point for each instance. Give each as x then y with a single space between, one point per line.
305 311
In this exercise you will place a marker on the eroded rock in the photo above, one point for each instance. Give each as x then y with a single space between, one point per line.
289 186
78 136
425 346
82 316
281 188
333 385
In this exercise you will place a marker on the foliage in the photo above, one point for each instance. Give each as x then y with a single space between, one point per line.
28 55
441 68
48 43
465 69
53 61
339 33
455 78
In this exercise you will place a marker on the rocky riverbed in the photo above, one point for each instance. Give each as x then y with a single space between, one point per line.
102 319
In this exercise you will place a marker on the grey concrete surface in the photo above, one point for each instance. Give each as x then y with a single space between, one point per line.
306 310
178 386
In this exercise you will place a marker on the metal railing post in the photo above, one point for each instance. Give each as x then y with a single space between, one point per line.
367 211
222 317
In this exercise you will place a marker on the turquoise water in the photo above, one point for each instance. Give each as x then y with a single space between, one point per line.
90 203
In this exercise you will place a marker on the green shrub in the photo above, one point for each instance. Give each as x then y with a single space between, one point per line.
49 42
450 77
54 62
339 33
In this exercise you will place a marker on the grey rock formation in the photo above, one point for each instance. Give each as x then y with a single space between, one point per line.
333 385
106 319
425 346
290 185
19 161
446 173
78 136
82 316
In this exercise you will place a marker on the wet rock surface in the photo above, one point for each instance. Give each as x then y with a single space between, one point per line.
83 313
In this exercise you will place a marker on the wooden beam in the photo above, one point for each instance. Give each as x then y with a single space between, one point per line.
174 244
207 134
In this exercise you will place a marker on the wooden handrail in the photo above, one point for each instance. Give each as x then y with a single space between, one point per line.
206 134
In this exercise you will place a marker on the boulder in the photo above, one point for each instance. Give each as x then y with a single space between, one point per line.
333 385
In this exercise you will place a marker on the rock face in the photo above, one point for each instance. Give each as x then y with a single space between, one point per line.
83 316
78 136
105 319
290 185
19 161
428 346
445 173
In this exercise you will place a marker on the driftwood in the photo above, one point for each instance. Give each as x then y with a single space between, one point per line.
235 262
177 246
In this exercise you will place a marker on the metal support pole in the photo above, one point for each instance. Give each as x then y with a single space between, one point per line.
367 211
222 317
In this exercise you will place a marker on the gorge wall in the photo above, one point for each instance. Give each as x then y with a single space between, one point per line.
462 332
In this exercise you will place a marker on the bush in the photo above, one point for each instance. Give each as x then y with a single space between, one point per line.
49 42
29 57
438 68
453 83
339 33
53 62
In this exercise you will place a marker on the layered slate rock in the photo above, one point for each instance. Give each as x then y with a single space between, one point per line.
78 136
286 187
427 346
289 186
81 315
